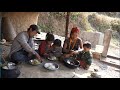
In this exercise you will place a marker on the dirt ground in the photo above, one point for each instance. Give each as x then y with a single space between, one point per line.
29 71
106 71
114 51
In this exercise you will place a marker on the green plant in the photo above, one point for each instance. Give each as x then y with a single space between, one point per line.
46 28
98 22
74 16
58 15
115 25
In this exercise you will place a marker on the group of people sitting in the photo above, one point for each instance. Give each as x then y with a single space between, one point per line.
22 48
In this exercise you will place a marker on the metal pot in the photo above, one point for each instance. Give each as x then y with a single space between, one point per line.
10 72
71 63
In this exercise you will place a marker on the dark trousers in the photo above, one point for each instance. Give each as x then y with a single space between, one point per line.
21 56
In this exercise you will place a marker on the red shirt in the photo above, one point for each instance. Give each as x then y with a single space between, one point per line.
43 48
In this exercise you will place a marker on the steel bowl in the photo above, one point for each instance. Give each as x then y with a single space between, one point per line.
32 63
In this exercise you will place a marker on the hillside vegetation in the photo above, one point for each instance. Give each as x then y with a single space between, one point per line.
87 21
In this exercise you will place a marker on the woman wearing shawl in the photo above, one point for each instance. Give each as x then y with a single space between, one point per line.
72 44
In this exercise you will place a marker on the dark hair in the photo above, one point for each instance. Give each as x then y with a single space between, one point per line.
47 34
87 44
74 29
34 28
49 37
57 42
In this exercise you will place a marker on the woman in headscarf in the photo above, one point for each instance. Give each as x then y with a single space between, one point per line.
72 44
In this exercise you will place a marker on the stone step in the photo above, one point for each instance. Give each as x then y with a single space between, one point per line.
111 61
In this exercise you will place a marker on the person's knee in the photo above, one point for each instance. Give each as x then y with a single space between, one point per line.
17 57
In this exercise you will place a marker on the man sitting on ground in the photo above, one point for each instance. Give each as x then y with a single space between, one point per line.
22 48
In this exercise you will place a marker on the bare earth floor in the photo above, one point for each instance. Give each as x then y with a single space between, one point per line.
28 71
106 71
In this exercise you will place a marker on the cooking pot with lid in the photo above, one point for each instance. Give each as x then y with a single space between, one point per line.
10 71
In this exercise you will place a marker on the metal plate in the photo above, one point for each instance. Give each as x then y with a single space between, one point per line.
51 66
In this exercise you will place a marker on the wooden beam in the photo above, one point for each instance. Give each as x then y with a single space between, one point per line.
67 24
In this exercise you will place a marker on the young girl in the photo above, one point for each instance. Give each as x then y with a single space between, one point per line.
45 45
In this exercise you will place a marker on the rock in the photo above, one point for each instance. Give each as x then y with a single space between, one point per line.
96 70
95 75
96 55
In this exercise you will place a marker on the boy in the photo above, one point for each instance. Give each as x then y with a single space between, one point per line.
56 49
84 56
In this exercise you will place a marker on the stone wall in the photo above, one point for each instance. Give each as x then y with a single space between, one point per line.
96 38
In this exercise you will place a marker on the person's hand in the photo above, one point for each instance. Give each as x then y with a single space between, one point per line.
72 52
67 55
46 55
38 57
76 52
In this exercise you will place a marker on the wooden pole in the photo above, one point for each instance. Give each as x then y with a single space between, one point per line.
67 24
